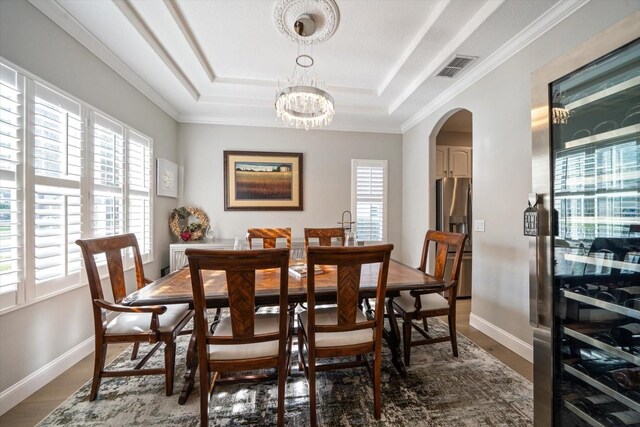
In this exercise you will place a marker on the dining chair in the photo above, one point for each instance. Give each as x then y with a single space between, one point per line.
153 324
324 236
343 330
243 340
422 304
269 236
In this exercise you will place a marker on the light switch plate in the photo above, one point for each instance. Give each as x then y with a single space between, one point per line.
478 225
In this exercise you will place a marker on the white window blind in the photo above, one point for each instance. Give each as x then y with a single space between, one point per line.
11 143
139 190
108 214
369 199
58 132
62 180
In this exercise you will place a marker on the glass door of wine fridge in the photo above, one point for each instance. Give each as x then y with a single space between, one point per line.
595 241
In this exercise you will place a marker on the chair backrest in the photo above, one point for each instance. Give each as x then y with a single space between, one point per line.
444 241
269 236
112 247
324 236
240 268
349 261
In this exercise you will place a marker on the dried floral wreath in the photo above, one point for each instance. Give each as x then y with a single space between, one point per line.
185 230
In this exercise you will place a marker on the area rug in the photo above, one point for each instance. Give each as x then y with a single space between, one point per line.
474 389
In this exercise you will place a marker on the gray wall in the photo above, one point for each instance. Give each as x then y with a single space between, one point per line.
501 106
326 169
35 335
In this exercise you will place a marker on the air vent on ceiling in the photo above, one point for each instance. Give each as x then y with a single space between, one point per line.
456 65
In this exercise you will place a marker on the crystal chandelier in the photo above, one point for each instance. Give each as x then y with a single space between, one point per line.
301 100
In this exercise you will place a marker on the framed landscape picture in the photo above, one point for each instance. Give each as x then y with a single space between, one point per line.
256 181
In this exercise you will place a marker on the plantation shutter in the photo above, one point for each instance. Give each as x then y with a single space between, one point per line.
369 199
11 195
108 213
57 155
139 191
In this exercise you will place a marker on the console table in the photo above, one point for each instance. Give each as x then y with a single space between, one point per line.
177 259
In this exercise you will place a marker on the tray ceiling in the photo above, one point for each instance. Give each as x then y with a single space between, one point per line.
219 61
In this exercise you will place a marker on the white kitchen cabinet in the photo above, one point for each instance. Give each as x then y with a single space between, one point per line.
453 162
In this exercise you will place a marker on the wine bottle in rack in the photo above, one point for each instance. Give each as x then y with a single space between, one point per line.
597 404
626 379
627 335
626 293
622 418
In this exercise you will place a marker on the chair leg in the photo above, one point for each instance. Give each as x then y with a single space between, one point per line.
377 399
312 389
406 339
452 333
425 324
204 395
300 350
282 381
134 352
169 365
98 367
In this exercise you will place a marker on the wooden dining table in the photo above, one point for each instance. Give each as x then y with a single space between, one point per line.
175 288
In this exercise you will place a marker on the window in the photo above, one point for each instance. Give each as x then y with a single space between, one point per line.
11 120
369 199
66 172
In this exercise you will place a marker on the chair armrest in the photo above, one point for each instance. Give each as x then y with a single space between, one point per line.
153 309
416 293
448 285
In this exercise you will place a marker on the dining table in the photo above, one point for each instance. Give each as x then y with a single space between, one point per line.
175 288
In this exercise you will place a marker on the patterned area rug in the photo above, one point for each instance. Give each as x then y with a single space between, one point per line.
474 389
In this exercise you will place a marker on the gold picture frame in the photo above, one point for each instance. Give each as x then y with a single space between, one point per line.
256 181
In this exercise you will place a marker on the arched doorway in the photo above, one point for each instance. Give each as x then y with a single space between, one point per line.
453 182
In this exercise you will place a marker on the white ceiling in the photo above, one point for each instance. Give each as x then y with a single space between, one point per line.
219 61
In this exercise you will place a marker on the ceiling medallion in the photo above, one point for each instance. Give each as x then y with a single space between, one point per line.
323 13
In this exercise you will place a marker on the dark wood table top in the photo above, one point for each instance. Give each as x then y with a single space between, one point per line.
176 287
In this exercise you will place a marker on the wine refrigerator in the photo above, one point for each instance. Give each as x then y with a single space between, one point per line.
583 220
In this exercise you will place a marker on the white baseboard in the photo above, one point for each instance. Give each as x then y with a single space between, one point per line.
513 343
34 382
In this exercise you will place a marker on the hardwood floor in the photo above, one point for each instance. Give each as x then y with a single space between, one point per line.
37 406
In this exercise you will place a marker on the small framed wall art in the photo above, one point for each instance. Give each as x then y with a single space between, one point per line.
255 181
166 178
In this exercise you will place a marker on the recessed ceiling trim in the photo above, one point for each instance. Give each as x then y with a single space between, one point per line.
209 120
439 8
447 51
552 17
58 14
138 23
181 22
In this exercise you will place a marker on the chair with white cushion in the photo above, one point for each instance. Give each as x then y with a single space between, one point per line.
151 324
244 340
343 330
422 304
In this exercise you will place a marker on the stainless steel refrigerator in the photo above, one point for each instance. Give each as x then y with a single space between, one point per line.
583 219
453 213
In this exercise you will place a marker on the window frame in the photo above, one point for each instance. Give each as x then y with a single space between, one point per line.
385 194
28 292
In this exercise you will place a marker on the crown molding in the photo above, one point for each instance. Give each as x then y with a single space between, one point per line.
59 15
181 22
559 12
143 29
275 123
447 51
440 7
